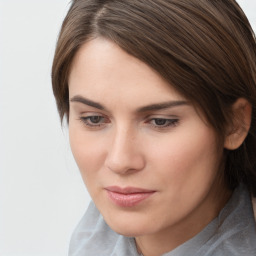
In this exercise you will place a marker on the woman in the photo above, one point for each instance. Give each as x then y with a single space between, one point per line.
160 98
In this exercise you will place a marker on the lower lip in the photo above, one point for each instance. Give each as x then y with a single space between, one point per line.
128 200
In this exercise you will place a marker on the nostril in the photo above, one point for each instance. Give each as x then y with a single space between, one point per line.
132 163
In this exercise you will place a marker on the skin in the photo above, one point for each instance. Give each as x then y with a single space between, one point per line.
119 137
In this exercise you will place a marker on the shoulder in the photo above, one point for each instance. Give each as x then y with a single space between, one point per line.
89 234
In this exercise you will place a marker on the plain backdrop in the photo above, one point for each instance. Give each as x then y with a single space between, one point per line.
42 196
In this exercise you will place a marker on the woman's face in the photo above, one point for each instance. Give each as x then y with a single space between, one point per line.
149 161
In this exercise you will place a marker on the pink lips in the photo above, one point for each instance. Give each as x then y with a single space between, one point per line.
129 196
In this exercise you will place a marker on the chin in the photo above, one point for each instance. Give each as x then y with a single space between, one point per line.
129 226
129 231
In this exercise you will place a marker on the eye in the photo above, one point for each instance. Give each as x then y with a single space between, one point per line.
163 122
94 120
160 122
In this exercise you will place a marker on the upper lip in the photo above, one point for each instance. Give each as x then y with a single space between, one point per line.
128 190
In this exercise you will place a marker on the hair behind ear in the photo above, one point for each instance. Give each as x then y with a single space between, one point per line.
239 143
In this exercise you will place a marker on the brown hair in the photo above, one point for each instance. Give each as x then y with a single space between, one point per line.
205 49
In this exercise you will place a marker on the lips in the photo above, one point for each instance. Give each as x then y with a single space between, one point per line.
128 196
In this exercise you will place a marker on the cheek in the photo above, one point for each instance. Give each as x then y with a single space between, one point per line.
186 160
88 152
187 168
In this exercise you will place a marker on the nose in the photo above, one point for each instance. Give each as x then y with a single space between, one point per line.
125 154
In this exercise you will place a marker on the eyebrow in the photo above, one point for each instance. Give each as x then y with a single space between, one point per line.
88 102
163 105
152 107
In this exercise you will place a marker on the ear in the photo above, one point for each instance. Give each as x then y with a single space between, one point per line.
241 122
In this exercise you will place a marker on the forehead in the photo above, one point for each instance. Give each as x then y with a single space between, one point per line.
103 71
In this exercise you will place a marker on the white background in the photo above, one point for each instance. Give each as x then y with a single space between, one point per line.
42 196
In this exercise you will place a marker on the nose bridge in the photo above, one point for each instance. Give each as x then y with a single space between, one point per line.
124 153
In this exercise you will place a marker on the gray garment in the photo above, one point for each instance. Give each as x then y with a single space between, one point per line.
232 233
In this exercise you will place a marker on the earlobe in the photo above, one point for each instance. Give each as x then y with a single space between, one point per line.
240 126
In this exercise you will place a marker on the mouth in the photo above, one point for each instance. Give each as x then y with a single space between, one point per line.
128 196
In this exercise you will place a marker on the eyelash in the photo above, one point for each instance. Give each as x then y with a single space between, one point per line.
167 123
88 121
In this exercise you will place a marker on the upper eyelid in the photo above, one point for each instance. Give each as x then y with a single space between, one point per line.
162 116
89 116
92 113
96 112
166 119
